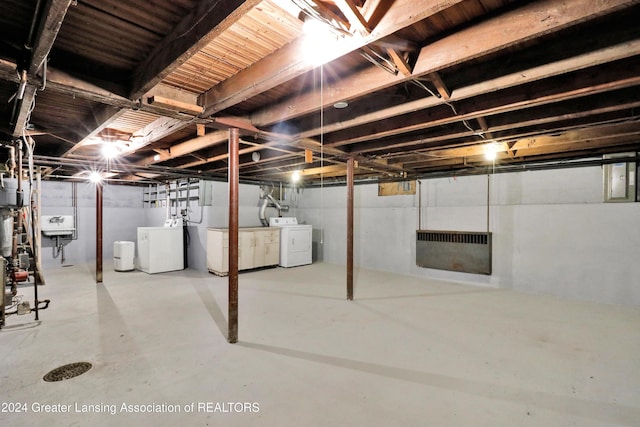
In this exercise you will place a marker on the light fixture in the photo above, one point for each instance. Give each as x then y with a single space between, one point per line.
491 151
255 156
110 150
341 104
95 177
312 27
295 176
156 157
319 41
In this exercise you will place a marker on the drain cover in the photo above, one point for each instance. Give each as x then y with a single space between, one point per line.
67 371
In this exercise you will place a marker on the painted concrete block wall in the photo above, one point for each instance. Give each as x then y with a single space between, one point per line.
551 232
217 215
122 214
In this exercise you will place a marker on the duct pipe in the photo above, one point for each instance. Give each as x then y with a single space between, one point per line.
274 203
234 178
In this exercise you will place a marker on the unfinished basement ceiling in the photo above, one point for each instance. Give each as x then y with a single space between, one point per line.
429 85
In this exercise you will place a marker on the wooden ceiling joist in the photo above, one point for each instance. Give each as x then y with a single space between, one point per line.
373 79
270 72
51 19
196 30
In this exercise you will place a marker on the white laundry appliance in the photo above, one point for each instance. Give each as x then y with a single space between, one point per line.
161 249
295 241
123 255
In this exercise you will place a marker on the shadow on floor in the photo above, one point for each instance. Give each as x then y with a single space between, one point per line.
210 303
593 410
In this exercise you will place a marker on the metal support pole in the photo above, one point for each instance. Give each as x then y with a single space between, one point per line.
234 177
350 167
98 232
34 249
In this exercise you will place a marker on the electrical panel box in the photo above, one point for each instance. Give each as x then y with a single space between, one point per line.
620 179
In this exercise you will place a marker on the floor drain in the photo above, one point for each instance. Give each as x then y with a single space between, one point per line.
67 371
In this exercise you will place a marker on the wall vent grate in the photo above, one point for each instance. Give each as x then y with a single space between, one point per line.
463 251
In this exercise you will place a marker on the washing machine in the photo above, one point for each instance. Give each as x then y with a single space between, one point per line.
295 241
160 249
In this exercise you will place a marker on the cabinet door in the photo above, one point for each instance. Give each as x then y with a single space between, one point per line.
258 254
272 246
218 251
246 250
272 254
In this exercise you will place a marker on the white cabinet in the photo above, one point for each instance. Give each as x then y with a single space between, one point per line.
257 247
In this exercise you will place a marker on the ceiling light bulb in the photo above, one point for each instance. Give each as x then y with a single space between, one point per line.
295 177
313 27
341 104
110 150
156 157
491 151
95 177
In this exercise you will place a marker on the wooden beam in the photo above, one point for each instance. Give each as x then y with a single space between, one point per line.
172 104
287 63
323 170
155 131
239 122
442 89
51 18
351 12
579 87
539 144
205 22
187 147
374 79
400 61
95 122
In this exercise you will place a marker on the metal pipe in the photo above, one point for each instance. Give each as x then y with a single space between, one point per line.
419 205
488 198
34 250
350 168
234 178
12 161
19 190
32 28
74 204
98 233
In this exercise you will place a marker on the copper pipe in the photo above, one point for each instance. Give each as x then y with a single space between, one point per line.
350 167
234 178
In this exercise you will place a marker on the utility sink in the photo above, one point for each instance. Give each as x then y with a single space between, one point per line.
57 225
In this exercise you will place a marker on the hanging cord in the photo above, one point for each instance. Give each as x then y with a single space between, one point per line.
450 105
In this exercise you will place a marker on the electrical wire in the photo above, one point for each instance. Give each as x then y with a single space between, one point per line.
449 104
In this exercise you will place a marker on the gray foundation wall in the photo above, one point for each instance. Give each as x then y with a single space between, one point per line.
552 233
123 213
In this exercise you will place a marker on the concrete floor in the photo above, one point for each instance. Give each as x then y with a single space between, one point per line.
406 352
